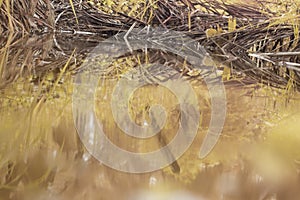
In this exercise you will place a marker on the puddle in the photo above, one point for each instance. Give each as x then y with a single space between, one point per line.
42 156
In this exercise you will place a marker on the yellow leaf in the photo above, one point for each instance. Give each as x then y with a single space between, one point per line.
211 32
226 73
231 24
109 3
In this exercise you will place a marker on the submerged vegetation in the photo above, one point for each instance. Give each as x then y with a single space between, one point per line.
256 48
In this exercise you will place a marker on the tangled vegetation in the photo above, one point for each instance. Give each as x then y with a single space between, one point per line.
44 42
259 40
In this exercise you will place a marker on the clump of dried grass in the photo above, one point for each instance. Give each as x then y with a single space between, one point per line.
259 41
26 16
254 40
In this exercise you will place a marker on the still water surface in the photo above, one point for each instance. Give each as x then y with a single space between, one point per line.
42 157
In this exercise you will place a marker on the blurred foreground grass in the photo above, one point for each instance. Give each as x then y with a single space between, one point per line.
42 157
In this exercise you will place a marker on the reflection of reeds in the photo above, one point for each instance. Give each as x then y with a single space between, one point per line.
30 127
33 58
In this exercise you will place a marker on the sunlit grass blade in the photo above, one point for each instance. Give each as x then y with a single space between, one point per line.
74 12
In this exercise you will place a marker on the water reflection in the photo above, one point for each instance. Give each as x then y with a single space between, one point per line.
41 156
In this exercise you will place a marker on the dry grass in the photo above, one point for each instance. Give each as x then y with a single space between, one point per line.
255 39
40 154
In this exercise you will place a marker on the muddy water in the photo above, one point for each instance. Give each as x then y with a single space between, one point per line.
42 157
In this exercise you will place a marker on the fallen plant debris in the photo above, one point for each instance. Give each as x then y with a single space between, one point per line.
251 40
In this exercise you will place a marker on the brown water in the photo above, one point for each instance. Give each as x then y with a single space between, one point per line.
42 157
